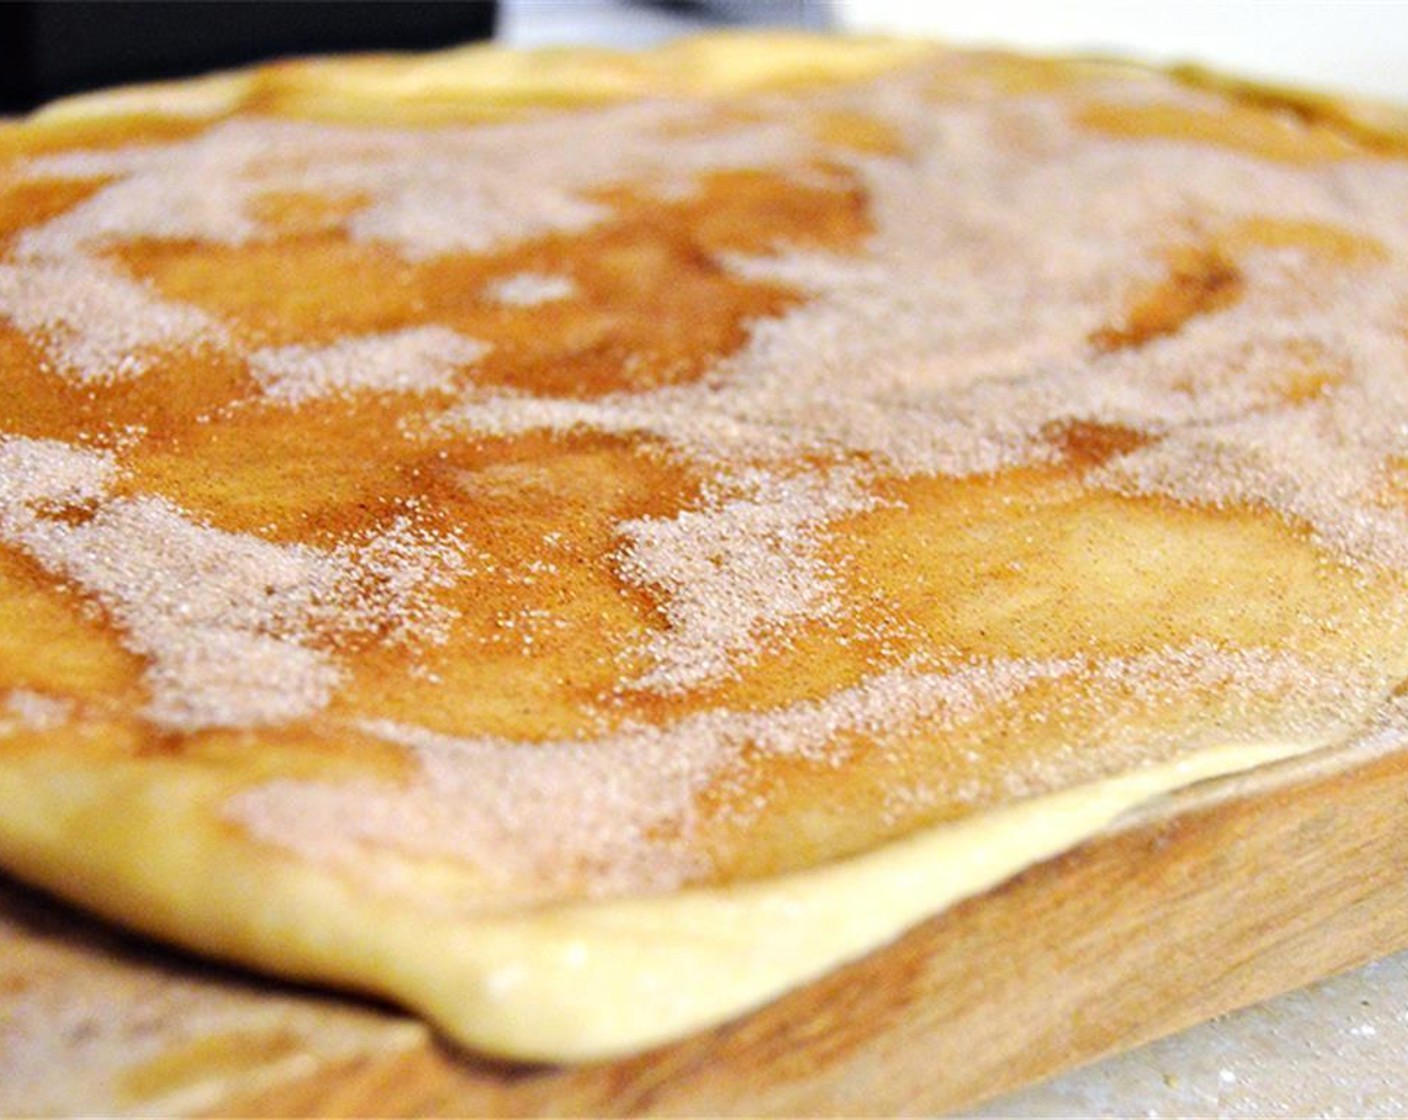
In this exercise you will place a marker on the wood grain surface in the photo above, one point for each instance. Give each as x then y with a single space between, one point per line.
1221 897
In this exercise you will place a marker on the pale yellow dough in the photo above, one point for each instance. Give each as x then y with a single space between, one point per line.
563 981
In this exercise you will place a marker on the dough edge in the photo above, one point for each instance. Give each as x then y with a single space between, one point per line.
566 982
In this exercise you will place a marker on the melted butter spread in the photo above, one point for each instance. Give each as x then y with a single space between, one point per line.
528 547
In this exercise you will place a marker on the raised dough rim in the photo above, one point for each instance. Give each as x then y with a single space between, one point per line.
575 981
718 63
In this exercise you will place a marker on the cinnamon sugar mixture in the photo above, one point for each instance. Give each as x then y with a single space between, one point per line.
1119 323
418 359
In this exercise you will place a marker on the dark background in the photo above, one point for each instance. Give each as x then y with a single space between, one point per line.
56 47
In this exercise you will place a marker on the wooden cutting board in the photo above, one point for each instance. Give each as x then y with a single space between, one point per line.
1217 897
